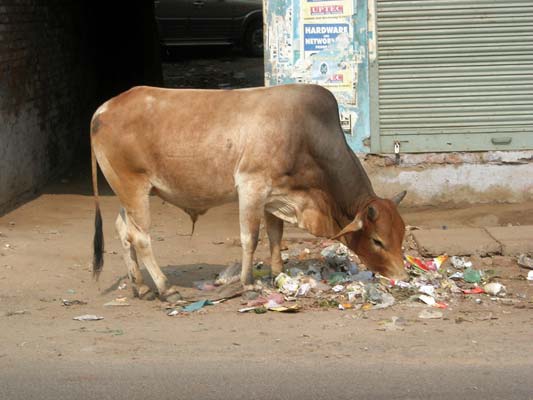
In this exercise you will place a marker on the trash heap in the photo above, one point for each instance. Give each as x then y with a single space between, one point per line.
330 276
336 279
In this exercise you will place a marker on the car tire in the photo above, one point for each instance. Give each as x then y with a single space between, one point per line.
253 39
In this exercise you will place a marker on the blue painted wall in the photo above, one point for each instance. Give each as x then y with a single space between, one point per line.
323 42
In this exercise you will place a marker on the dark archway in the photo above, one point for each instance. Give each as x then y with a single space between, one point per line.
59 60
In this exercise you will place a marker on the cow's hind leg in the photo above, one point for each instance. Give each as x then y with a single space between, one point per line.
274 227
138 225
140 289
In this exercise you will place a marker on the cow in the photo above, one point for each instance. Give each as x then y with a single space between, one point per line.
280 151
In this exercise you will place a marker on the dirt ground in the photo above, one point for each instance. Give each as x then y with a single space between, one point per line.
45 248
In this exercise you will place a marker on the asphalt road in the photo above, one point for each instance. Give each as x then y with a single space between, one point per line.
331 379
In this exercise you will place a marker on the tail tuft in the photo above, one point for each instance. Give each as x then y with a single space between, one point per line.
98 244
98 241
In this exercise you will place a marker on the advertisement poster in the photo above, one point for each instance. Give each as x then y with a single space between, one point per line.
339 77
314 9
319 36
328 49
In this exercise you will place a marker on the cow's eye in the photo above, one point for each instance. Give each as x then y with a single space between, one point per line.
378 243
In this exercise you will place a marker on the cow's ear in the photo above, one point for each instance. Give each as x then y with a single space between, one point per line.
353 226
399 197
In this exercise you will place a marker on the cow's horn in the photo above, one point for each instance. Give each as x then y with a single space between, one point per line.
353 226
399 197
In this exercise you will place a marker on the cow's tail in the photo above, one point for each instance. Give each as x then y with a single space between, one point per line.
98 241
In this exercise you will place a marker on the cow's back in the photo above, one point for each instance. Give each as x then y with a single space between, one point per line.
191 143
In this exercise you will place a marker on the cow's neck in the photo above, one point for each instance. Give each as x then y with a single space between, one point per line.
353 189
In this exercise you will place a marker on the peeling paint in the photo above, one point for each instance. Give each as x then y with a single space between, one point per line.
488 157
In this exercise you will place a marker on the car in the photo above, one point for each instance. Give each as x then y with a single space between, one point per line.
211 22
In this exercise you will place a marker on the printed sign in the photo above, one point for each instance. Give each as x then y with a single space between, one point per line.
313 9
319 36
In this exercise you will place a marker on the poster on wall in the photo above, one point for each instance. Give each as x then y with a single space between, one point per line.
314 9
339 77
320 36
329 57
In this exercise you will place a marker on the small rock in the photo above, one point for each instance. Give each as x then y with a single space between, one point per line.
525 261
494 289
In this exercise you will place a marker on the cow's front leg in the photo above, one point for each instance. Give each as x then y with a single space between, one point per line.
274 227
251 208
250 223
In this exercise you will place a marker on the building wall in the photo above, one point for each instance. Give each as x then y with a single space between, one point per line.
59 59
433 179
40 91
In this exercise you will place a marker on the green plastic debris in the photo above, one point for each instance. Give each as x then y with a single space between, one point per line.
472 275
197 305
336 278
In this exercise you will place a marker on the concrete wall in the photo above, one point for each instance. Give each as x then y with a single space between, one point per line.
59 59
454 178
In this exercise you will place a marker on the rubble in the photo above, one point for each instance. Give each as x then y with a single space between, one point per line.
525 261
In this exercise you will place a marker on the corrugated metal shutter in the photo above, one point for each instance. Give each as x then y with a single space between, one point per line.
455 74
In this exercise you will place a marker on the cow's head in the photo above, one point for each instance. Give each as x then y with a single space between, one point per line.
376 235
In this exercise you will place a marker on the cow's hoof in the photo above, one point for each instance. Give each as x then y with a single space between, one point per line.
249 288
171 295
143 292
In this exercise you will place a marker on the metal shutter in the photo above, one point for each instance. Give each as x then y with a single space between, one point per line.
455 74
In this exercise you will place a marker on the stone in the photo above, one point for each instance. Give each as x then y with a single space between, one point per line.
514 240
455 242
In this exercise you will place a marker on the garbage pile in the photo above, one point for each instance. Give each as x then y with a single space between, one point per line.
331 276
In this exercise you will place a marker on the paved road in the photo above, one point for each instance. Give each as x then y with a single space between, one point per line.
332 379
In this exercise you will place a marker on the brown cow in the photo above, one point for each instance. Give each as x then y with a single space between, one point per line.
280 151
